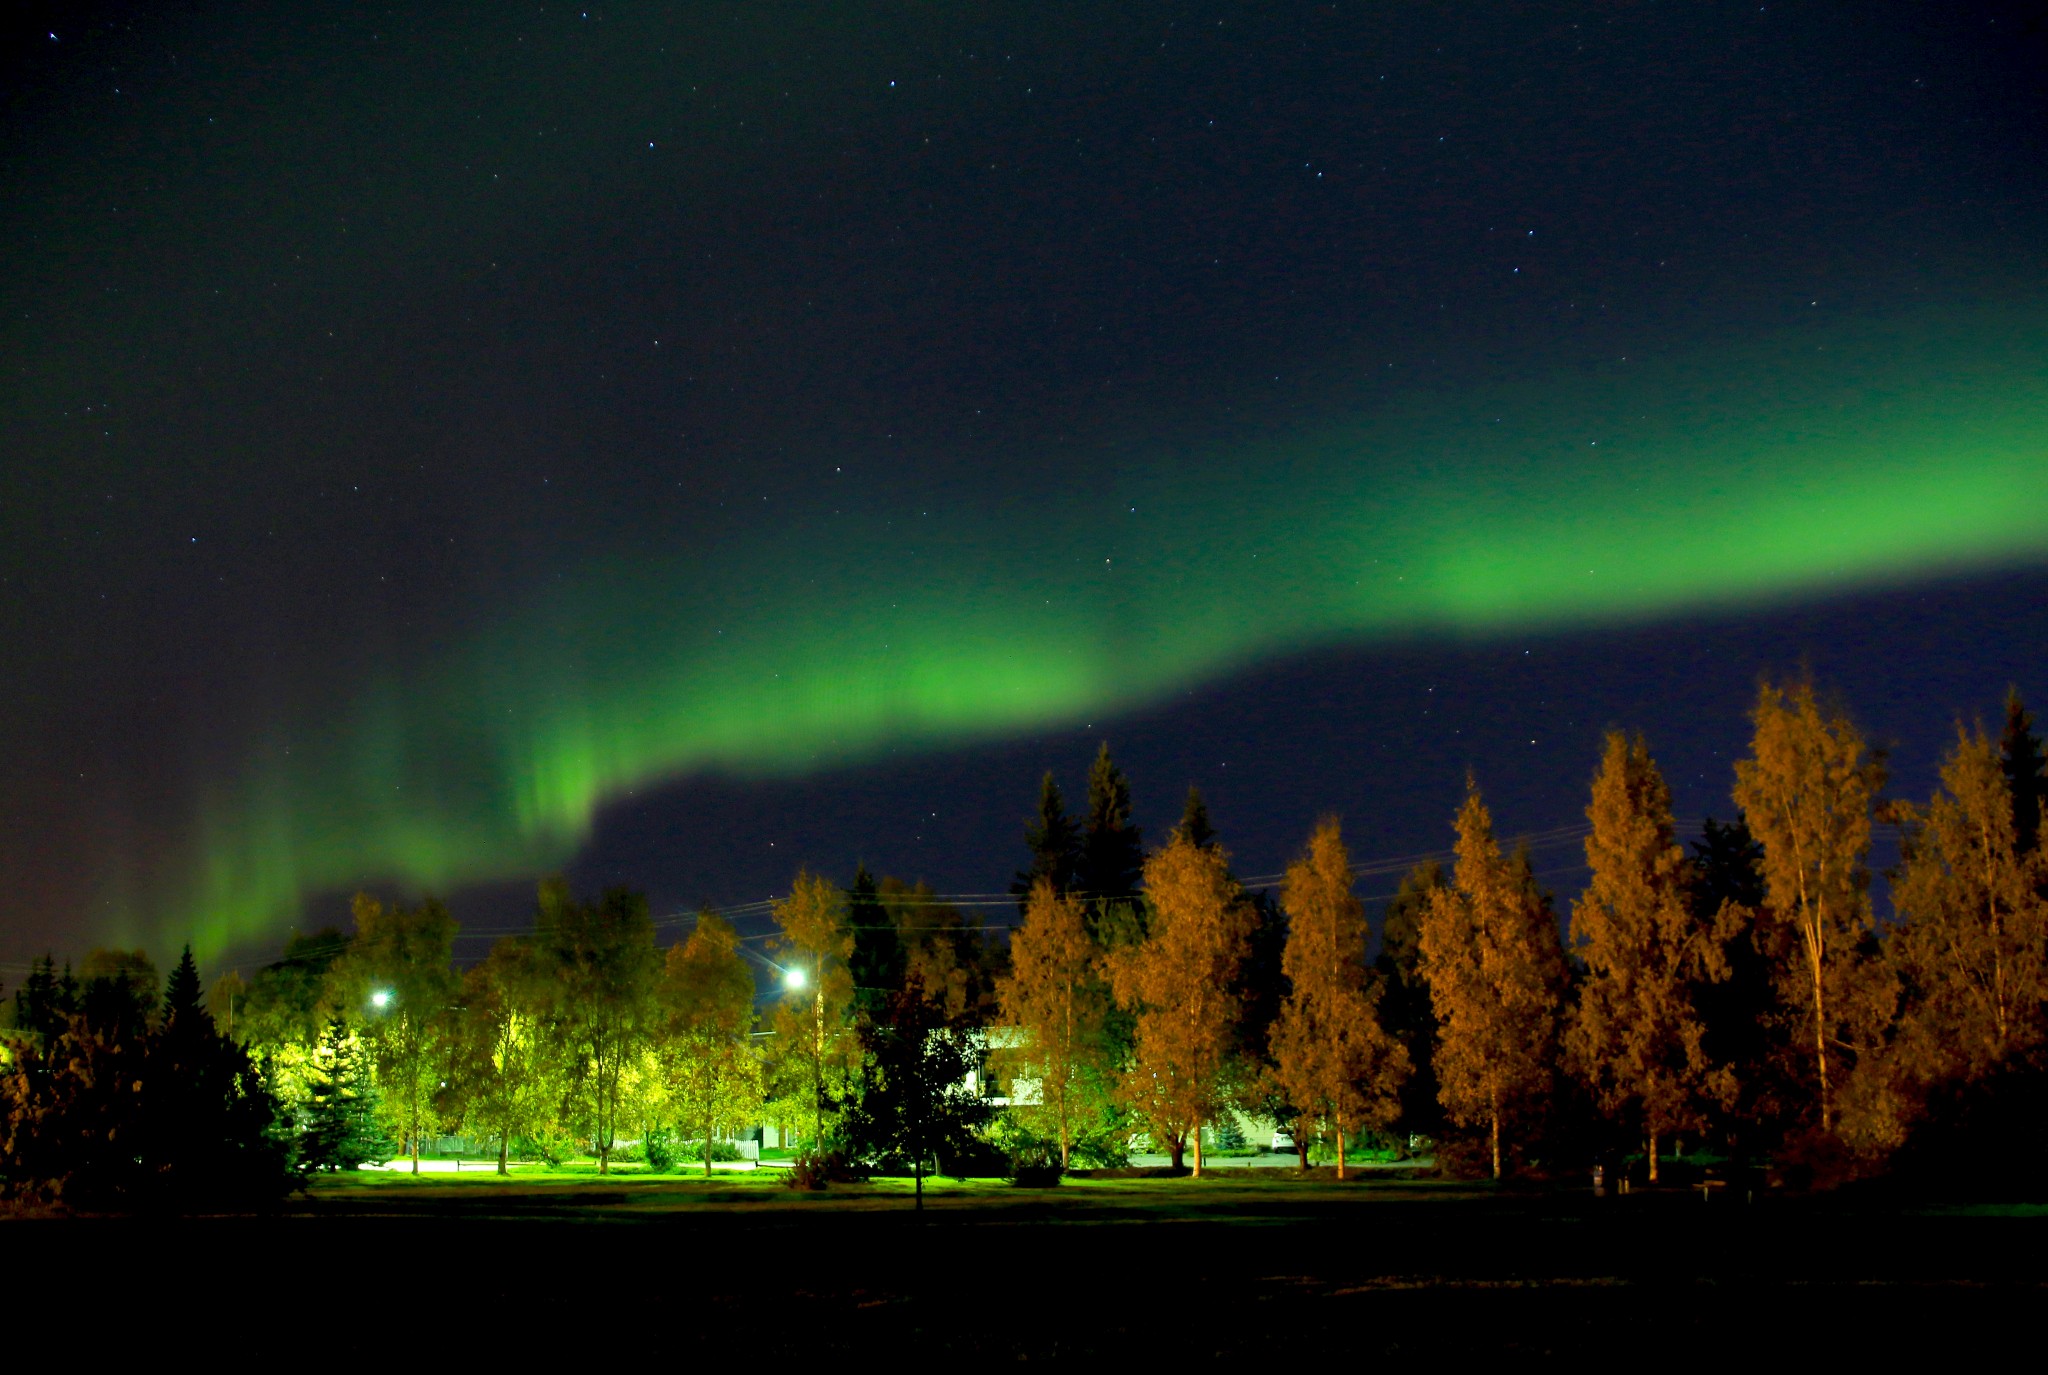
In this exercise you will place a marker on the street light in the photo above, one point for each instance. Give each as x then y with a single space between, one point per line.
381 999
792 978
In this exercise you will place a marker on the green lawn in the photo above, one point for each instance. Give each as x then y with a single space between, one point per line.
577 1190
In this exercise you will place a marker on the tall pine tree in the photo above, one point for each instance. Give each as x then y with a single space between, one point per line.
1054 843
877 961
2020 760
1112 856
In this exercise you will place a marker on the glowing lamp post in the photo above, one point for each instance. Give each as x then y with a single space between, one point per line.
793 979
381 999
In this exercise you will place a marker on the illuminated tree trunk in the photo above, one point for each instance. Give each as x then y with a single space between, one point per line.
818 1067
1340 1149
504 1151
1493 1130
1197 1134
1820 1023
1653 1157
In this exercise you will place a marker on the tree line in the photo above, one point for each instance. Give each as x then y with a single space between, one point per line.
1744 995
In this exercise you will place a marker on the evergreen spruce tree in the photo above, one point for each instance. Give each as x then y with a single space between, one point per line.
1741 1011
1405 1008
1054 844
1194 821
213 1132
2020 758
42 1006
1112 855
183 1000
341 1129
878 958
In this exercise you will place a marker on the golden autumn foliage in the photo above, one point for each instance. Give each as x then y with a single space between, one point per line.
814 1047
1972 947
1495 970
1181 983
1806 791
1053 997
706 996
1636 1036
1332 1059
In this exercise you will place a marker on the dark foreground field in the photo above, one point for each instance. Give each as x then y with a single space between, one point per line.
1263 1271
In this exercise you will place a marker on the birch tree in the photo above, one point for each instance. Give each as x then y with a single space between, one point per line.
1806 791
397 980
707 1062
601 959
1053 999
1972 947
814 1044
505 1072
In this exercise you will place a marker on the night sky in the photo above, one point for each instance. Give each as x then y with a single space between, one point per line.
677 443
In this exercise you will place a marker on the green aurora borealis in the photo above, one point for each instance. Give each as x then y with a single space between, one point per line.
1814 460
677 443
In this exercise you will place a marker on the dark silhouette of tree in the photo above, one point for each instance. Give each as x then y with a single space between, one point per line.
1405 1009
877 961
1112 855
1053 841
116 1113
44 1004
2020 760
117 993
1194 821
951 954
1741 1012
184 1000
214 1130
915 1102
1263 988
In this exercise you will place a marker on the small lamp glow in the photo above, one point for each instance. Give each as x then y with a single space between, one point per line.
381 999
792 979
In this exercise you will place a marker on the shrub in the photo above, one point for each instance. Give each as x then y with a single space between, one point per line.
1034 1169
661 1150
817 1170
